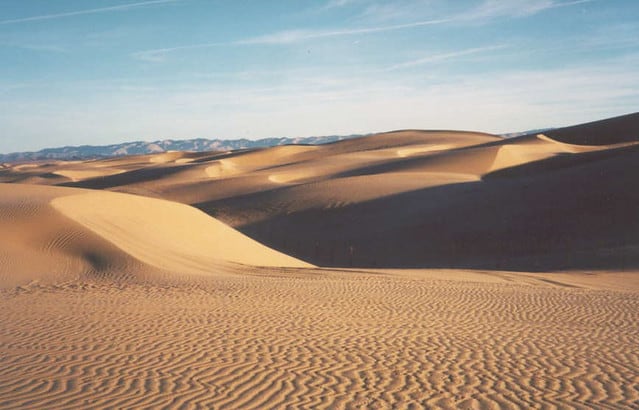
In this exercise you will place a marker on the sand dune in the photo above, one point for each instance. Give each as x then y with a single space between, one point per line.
529 149
39 244
80 174
66 233
170 156
522 293
166 234
622 129
409 198
418 149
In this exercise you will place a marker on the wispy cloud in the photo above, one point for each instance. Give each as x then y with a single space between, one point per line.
280 38
332 4
120 7
398 10
159 54
433 58
612 36
499 102
483 11
294 36
36 47
491 9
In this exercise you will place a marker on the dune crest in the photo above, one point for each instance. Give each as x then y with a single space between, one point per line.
404 198
81 174
577 148
53 234
167 235
43 246
419 149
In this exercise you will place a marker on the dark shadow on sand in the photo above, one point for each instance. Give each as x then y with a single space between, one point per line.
562 213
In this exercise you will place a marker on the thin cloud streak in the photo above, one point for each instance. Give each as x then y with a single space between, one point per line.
159 54
279 38
36 47
87 11
444 56
332 4
491 9
484 12
570 3
294 36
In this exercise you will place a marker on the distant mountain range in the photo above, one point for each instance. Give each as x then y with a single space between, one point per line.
142 147
84 152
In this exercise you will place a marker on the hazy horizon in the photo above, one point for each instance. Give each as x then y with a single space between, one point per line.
108 71
213 138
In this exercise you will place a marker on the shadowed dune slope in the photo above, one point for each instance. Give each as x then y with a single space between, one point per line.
53 234
410 198
610 131
560 213
529 203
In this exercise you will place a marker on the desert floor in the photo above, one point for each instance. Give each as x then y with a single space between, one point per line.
313 338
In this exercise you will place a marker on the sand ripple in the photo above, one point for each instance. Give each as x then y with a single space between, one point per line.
281 339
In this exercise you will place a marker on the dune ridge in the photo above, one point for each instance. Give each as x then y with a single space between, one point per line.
71 233
396 198
171 236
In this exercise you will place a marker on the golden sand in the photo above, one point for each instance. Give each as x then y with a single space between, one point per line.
197 284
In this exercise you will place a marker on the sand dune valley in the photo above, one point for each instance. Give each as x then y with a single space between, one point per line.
409 269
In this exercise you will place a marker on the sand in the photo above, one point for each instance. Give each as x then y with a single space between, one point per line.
281 338
68 233
410 269
412 199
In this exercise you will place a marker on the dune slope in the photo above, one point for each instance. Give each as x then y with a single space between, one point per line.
409 198
50 234
610 131
166 234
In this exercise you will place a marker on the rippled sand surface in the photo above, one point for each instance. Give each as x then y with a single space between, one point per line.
298 338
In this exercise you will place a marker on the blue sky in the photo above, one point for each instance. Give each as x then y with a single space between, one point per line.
105 71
